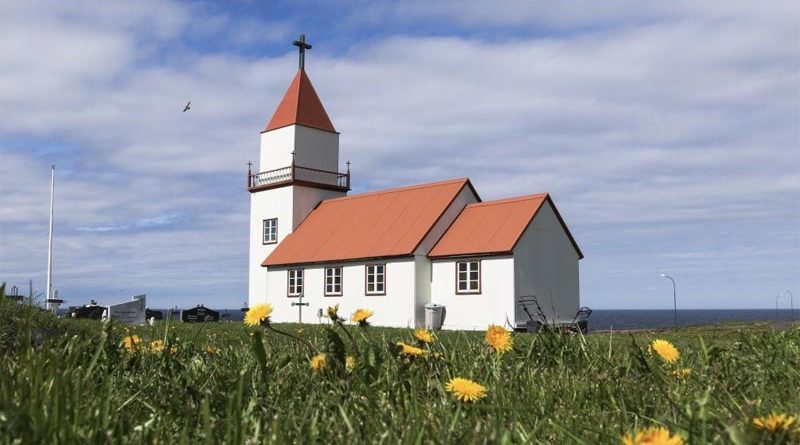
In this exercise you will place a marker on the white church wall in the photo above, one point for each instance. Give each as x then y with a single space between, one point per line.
316 148
395 308
266 204
546 265
422 288
495 303
313 148
257 293
276 148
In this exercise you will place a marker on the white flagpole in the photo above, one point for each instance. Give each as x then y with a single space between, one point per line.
50 241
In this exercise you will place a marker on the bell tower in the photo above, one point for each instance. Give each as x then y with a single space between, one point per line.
298 167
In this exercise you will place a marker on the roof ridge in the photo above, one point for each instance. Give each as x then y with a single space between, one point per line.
399 189
508 200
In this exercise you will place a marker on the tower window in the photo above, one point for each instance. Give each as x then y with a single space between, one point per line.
333 281
468 277
270 231
376 279
295 282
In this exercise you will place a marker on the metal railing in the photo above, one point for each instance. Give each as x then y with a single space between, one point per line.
295 173
270 177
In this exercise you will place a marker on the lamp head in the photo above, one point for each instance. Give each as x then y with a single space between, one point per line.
664 275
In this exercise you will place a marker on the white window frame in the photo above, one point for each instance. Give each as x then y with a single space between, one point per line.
332 288
269 231
468 267
294 282
375 273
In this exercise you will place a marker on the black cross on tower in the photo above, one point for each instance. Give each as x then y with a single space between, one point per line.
302 46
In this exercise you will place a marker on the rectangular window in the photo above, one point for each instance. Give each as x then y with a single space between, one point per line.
270 231
376 279
333 281
468 277
295 282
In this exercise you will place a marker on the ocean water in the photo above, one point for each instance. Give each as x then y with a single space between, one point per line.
622 319
605 319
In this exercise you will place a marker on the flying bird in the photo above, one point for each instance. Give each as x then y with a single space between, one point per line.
187 107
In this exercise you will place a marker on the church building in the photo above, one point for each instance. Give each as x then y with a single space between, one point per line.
395 250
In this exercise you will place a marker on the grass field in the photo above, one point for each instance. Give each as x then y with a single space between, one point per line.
65 381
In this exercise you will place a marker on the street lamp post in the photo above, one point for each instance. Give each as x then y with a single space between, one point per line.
776 306
674 298
791 303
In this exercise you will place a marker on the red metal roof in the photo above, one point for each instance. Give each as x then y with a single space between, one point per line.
385 223
493 227
300 105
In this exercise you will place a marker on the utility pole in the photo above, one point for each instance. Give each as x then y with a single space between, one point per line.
48 304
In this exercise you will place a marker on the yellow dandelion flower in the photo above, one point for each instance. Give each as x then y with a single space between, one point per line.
132 342
411 350
211 349
173 349
666 350
360 316
654 435
333 312
350 362
423 335
682 373
775 422
466 390
257 314
157 345
499 339
319 362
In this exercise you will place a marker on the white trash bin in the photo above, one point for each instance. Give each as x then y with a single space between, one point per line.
434 316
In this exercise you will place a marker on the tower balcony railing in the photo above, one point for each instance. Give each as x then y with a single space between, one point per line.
295 174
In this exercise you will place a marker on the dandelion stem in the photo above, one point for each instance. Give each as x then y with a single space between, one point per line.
349 336
197 333
299 339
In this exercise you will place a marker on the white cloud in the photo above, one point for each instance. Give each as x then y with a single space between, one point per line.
680 117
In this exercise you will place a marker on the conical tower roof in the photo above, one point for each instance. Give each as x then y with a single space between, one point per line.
300 105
